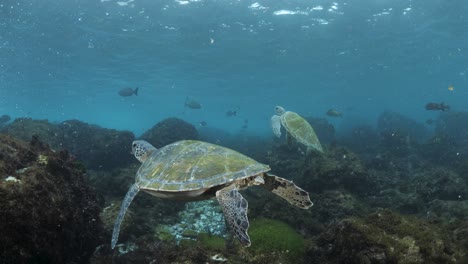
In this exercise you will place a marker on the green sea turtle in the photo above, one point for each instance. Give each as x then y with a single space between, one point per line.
296 127
195 170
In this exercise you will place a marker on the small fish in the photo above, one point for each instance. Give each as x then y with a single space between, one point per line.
430 121
125 92
246 124
437 107
451 88
203 123
192 104
333 113
4 119
231 113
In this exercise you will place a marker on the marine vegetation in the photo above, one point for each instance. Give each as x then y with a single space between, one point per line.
275 240
386 237
212 242
48 212
109 148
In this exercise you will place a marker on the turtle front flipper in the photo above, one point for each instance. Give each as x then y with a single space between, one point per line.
276 125
288 191
235 212
132 192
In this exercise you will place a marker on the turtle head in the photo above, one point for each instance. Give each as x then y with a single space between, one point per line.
142 149
279 110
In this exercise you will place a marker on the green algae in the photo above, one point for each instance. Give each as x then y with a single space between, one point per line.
212 242
269 236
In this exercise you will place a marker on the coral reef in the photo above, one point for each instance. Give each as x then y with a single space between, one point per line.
48 213
96 147
385 237
168 131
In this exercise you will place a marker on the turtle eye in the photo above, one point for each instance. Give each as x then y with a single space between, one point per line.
134 145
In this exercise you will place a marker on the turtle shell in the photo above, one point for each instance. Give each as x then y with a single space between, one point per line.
301 130
192 165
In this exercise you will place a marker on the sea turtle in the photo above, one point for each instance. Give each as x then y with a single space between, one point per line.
296 127
195 170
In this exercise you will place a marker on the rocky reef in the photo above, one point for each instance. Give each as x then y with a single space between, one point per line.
382 195
453 124
48 213
324 130
168 131
96 147
390 123
386 237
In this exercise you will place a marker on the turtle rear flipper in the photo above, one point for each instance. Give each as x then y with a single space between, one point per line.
132 192
235 212
288 191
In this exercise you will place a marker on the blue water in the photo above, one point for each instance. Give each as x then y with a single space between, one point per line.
64 59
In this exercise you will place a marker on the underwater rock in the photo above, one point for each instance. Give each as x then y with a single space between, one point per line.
439 183
385 237
395 123
324 130
453 124
4 119
25 128
284 161
96 147
168 131
48 214
362 140
251 145
449 210
115 182
393 198
109 214
336 168
148 250
332 206
443 150
396 144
